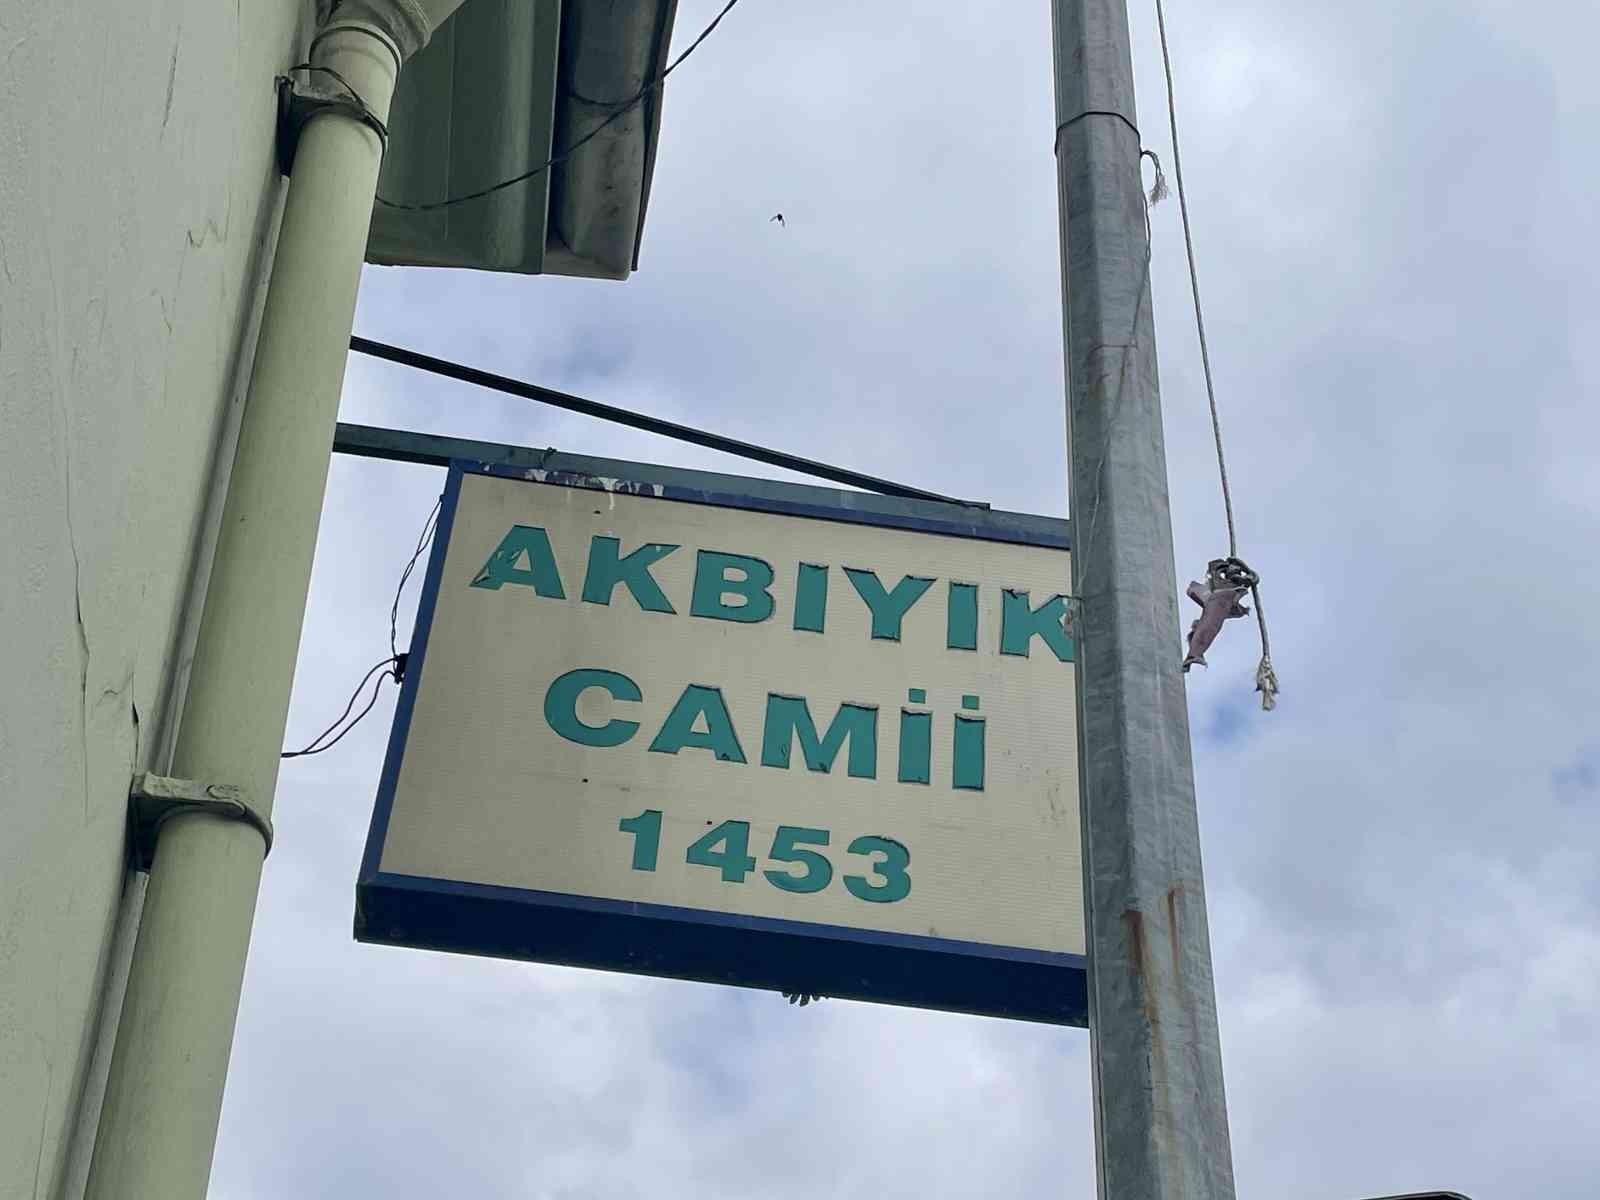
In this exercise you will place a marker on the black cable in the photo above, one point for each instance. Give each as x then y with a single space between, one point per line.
353 723
1095 112
314 747
625 106
428 528
394 667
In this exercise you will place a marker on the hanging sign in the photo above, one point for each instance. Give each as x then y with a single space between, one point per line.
730 730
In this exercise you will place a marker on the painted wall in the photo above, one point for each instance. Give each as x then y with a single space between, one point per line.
138 200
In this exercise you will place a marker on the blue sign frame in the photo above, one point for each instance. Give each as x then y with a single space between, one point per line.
779 955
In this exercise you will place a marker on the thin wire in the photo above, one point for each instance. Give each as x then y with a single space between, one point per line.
1266 677
395 663
353 723
315 746
555 160
428 528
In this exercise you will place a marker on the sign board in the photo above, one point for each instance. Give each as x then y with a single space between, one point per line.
724 729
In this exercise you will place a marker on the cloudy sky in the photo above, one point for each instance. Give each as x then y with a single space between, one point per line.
1394 207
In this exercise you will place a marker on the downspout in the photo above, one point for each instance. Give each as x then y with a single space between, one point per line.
163 1097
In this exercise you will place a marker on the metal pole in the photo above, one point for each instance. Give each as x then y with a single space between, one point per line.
635 420
164 1093
1161 1123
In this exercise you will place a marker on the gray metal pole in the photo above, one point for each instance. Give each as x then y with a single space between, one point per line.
1161 1122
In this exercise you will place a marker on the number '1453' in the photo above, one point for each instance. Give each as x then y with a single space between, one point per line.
802 868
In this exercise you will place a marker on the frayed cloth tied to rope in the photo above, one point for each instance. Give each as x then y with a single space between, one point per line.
1227 579
1158 190
1219 598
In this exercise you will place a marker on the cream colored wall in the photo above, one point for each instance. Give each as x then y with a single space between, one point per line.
138 197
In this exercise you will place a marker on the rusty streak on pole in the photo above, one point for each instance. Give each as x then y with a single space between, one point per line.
1161 1123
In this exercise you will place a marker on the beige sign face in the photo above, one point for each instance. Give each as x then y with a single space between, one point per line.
644 700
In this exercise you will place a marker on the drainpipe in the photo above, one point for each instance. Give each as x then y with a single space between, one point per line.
164 1094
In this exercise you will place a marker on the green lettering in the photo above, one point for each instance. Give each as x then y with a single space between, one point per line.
561 707
607 569
888 608
1019 623
646 830
678 730
505 564
789 717
916 742
811 597
733 860
966 766
712 585
892 870
961 617
786 848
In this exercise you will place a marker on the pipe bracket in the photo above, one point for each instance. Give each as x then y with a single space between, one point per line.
152 799
296 107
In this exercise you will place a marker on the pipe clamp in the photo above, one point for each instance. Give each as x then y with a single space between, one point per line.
296 107
152 799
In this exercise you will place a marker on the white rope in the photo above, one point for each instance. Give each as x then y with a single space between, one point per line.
1266 678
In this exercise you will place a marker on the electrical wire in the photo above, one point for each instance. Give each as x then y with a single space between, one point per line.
623 107
393 667
428 530
386 667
